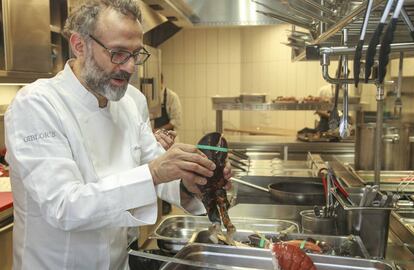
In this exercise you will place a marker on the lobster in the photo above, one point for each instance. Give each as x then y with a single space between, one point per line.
290 257
214 196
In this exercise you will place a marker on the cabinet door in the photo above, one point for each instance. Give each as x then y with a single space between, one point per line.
26 26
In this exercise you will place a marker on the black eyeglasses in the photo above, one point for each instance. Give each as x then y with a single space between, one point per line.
120 57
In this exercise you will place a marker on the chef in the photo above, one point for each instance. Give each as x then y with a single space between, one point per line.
84 164
170 118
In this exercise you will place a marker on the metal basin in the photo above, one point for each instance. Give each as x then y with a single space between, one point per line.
402 224
337 243
174 232
262 259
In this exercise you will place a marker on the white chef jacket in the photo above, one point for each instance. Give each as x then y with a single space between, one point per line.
77 176
173 107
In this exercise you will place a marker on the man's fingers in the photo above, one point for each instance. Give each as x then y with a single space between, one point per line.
190 149
166 138
172 134
202 161
195 168
194 157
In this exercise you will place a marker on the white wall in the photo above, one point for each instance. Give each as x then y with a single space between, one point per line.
200 63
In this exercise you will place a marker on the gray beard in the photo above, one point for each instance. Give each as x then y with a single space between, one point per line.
99 81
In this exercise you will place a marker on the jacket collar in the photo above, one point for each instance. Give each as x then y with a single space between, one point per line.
72 83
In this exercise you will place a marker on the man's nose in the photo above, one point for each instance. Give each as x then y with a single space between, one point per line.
129 66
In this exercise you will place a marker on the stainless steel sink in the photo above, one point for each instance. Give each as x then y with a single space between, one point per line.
255 258
402 224
389 179
406 216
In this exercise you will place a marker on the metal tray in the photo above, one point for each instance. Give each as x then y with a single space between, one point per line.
262 259
174 232
334 241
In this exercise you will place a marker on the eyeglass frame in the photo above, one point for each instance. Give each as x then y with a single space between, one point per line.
112 53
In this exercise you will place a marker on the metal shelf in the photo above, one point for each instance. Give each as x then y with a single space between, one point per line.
323 106
341 14
233 106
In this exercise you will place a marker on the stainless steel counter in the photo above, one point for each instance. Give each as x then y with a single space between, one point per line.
266 147
397 251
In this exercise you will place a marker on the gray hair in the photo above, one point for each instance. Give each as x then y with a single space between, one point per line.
84 17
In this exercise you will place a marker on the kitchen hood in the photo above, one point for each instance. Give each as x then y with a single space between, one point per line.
177 14
213 13
157 28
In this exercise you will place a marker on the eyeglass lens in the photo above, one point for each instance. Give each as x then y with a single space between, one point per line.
122 57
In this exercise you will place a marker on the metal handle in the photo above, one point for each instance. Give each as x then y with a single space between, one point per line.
391 138
238 161
7 227
372 48
238 167
249 184
385 49
358 50
288 19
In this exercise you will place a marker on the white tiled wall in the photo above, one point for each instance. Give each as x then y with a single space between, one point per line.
267 68
200 63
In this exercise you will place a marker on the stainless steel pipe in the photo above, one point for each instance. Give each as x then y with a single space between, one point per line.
378 135
342 50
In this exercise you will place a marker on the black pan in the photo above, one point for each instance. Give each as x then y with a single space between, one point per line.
292 192
301 193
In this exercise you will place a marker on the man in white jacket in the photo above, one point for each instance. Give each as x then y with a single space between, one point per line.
84 163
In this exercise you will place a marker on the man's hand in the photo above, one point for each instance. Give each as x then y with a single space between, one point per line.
182 161
165 137
193 188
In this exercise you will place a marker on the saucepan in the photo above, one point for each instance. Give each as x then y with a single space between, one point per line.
292 192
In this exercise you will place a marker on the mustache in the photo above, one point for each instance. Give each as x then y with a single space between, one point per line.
121 75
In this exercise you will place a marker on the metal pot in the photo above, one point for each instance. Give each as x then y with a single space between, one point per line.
395 139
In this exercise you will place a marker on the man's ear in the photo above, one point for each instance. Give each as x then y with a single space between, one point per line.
77 44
